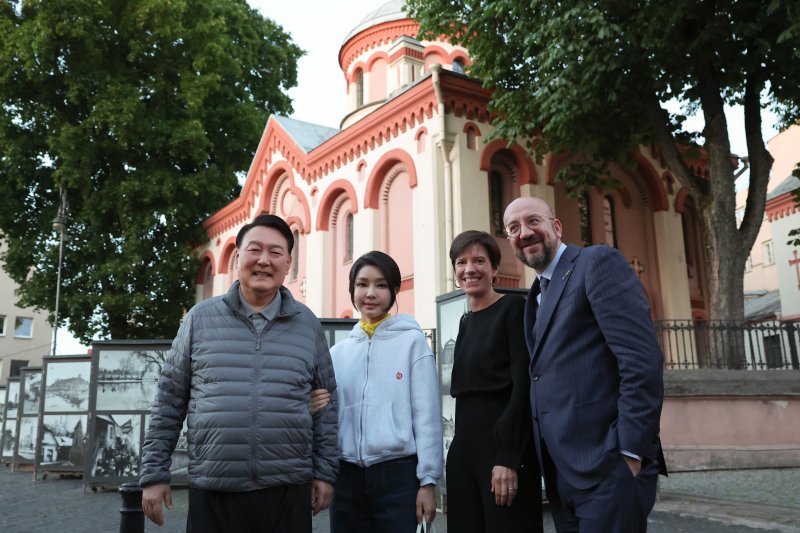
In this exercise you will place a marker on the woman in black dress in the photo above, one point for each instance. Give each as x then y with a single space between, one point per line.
493 478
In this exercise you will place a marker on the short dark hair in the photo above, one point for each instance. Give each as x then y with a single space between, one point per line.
268 221
384 263
470 238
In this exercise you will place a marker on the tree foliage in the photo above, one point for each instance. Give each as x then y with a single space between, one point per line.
592 78
144 113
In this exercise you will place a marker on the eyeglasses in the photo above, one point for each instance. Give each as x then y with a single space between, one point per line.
531 222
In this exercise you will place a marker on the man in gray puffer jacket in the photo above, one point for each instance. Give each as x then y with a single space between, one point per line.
242 368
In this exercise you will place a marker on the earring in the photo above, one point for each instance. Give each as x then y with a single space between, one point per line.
455 282
495 279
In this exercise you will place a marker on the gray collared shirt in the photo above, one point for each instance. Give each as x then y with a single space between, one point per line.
263 316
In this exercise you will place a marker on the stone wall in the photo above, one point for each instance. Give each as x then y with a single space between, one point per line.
720 419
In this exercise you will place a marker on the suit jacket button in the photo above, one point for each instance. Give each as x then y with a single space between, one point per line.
536 377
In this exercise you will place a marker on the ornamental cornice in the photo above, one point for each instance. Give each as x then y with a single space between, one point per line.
462 96
781 207
373 37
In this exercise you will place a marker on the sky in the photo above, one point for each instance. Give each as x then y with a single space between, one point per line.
319 27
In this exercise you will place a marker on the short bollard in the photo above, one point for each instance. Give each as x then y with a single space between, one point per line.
132 516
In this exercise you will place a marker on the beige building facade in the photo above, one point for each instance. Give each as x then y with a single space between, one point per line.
25 334
772 271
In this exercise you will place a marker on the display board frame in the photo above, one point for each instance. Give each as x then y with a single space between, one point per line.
64 414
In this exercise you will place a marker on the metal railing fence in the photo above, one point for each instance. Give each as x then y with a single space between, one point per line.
769 345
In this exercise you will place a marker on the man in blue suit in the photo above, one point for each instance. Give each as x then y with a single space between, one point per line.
596 377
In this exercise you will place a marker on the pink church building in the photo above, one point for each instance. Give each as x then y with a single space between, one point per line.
410 168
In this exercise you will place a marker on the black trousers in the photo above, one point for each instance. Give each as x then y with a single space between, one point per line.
471 506
285 509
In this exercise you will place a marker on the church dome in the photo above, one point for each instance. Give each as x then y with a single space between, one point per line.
392 10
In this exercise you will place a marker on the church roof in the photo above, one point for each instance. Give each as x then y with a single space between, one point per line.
787 185
307 135
388 12
762 307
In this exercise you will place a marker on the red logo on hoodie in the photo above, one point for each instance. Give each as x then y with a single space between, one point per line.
399 375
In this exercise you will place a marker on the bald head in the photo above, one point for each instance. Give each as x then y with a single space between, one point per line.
538 234
528 204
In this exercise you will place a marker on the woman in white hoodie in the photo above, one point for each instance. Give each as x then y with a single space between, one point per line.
390 427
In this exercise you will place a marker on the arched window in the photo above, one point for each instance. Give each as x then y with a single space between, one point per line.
458 66
348 244
421 139
471 138
208 282
609 222
359 88
295 255
496 199
586 219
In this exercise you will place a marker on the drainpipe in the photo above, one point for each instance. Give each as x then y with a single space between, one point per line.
445 147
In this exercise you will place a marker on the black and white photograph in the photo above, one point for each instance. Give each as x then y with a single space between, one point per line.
450 308
127 379
26 441
8 437
62 441
12 399
179 468
67 386
116 445
32 391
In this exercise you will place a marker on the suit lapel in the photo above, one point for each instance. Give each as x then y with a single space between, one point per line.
559 280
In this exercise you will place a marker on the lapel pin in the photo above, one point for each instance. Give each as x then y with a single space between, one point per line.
567 274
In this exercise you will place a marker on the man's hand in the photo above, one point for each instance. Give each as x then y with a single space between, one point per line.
504 485
633 464
426 504
321 495
319 399
152 497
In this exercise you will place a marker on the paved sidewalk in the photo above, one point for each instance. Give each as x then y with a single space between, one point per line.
750 501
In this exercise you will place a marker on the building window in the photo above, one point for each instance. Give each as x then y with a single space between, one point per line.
458 66
585 218
496 202
348 238
472 135
296 255
2 325
748 265
23 327
769 253
359 88
773 352
208 281
609 222
16 366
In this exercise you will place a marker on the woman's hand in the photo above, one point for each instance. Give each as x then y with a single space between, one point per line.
426 504
319 399
504 485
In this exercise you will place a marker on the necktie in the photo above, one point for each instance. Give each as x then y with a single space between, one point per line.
544 282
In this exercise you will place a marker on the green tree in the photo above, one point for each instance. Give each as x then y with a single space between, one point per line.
592 78
144 113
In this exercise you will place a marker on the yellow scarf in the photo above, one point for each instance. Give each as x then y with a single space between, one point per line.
369 329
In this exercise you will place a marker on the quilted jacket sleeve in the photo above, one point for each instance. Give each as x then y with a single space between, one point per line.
169 409
326 421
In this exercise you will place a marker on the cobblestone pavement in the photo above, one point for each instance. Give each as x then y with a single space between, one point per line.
751 501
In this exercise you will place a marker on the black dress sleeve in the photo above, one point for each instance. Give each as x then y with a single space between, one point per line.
513 429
